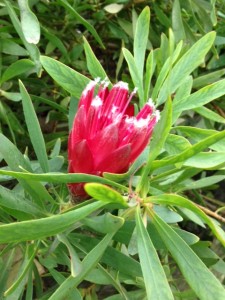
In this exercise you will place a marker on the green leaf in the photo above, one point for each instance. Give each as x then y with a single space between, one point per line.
15 160
29 23
51 103
182 92
89 27
75 264
150 263
105 223
24 268
206 286
113 8
12 48
201 183
202 96
172 199
41 228
94 67
168 215
17 68
141 39
177 23
134 74
88 264
104 193
161 130
10 118
16 202
163 18
207 160
11 96
209 114
34 128
31 48
112 257
160 134
175 144
186 65
70 80
191 151
165 71
61 177
5 271
150 67
54 40
197 134
209 78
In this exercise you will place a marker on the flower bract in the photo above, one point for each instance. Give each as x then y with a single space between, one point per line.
106 136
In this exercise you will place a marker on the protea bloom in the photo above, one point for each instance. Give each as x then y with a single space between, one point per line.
106 136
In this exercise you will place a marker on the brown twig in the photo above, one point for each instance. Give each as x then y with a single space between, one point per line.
212 213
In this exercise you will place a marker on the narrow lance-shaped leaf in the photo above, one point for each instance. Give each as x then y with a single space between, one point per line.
17 68
41 228
88 263
141 39
134 74
75 264
150 263
209 114
177 23
201 280
28 260
160 134
17 202
16 161
150 67
191 151
165 71
62 178
186 65
70 80
34 129
172 199
93 64
202 96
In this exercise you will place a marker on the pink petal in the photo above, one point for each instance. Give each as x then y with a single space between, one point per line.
104 142
78 130
117 161
87 95
146 110
81 160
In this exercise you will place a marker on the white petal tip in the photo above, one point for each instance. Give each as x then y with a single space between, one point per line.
89 87
122 85
157 115
105 83
96 102
150 103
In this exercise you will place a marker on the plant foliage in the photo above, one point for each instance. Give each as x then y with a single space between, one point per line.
154 232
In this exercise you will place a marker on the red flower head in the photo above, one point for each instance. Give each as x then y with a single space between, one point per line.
106 136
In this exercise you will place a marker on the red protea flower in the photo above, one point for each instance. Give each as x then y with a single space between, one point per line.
106 136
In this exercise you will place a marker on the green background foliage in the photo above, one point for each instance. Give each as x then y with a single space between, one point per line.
154 232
